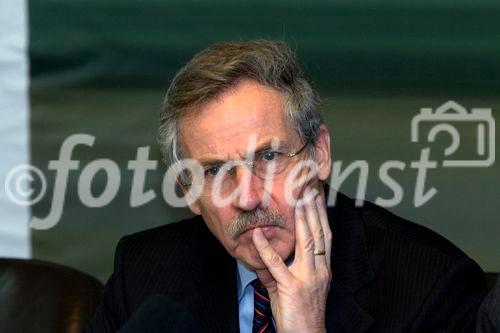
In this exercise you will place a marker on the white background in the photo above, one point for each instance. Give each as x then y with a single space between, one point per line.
14 123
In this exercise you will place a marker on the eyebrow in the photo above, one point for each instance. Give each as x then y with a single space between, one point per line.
262 147
211 161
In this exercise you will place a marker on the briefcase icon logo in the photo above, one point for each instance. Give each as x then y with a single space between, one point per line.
446 118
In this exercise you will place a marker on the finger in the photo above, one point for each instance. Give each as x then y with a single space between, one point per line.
325 224
304 242
315 227
270 258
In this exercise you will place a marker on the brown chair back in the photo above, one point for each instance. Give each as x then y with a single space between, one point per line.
38 296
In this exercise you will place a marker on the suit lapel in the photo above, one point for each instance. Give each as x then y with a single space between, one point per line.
344 314
351 268
214 302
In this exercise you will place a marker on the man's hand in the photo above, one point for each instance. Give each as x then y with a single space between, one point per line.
298 293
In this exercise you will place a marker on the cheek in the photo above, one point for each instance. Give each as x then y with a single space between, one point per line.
217 223
284 244
284 194
280 204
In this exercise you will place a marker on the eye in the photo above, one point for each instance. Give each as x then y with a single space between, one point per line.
269 155
212 171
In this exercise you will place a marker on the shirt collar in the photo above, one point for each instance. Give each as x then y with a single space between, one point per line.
245 276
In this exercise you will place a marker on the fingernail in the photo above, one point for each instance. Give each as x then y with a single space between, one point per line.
259 240
308 197
258 236
300 203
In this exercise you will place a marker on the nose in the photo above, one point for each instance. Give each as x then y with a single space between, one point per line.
249 189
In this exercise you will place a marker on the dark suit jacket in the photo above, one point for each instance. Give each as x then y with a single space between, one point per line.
389 275
488 319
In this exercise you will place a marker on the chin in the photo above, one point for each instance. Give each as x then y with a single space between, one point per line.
253 259
255 262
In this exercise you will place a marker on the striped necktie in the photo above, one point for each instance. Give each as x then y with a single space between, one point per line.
262 314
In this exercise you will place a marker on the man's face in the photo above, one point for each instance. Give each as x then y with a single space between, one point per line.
223 130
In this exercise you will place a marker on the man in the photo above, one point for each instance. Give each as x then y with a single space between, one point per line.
264 252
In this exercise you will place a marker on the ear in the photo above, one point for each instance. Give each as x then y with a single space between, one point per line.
194 206
322 153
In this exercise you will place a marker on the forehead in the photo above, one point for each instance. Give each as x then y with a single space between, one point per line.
223 127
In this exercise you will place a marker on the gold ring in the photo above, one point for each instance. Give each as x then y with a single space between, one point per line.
319 253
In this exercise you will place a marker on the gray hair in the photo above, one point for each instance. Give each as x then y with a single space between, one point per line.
219 67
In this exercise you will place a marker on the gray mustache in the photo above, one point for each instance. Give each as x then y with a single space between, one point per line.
252 218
